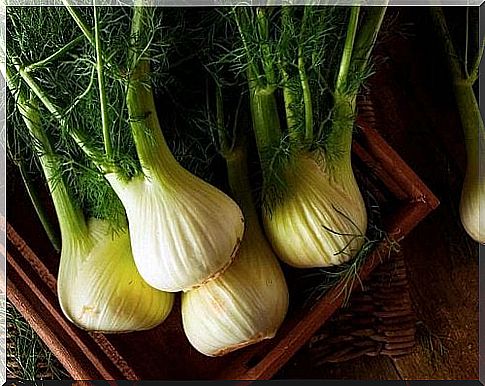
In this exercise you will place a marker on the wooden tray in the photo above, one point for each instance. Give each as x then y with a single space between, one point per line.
164 352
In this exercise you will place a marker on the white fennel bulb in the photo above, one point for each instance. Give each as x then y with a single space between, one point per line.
472 206
243 306
99 287
183 231
248 302
472 201
321 220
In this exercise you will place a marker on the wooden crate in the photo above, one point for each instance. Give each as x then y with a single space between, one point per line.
164 353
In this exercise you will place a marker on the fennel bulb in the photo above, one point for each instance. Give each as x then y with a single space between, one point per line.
248 302
183 230
99 287
313 211
322 219
243 306
472 202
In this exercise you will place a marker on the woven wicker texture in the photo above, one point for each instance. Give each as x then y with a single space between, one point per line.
378 320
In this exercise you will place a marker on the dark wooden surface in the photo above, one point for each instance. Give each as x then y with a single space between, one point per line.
415 100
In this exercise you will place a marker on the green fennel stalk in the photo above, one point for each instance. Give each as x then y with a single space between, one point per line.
32 190
71 219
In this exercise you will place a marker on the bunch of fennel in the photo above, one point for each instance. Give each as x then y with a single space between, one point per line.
92 253
307 64
472 202
183 231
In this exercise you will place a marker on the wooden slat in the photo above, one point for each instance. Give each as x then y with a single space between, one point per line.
402 175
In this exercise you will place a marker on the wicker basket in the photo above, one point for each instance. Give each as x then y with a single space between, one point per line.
378 320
